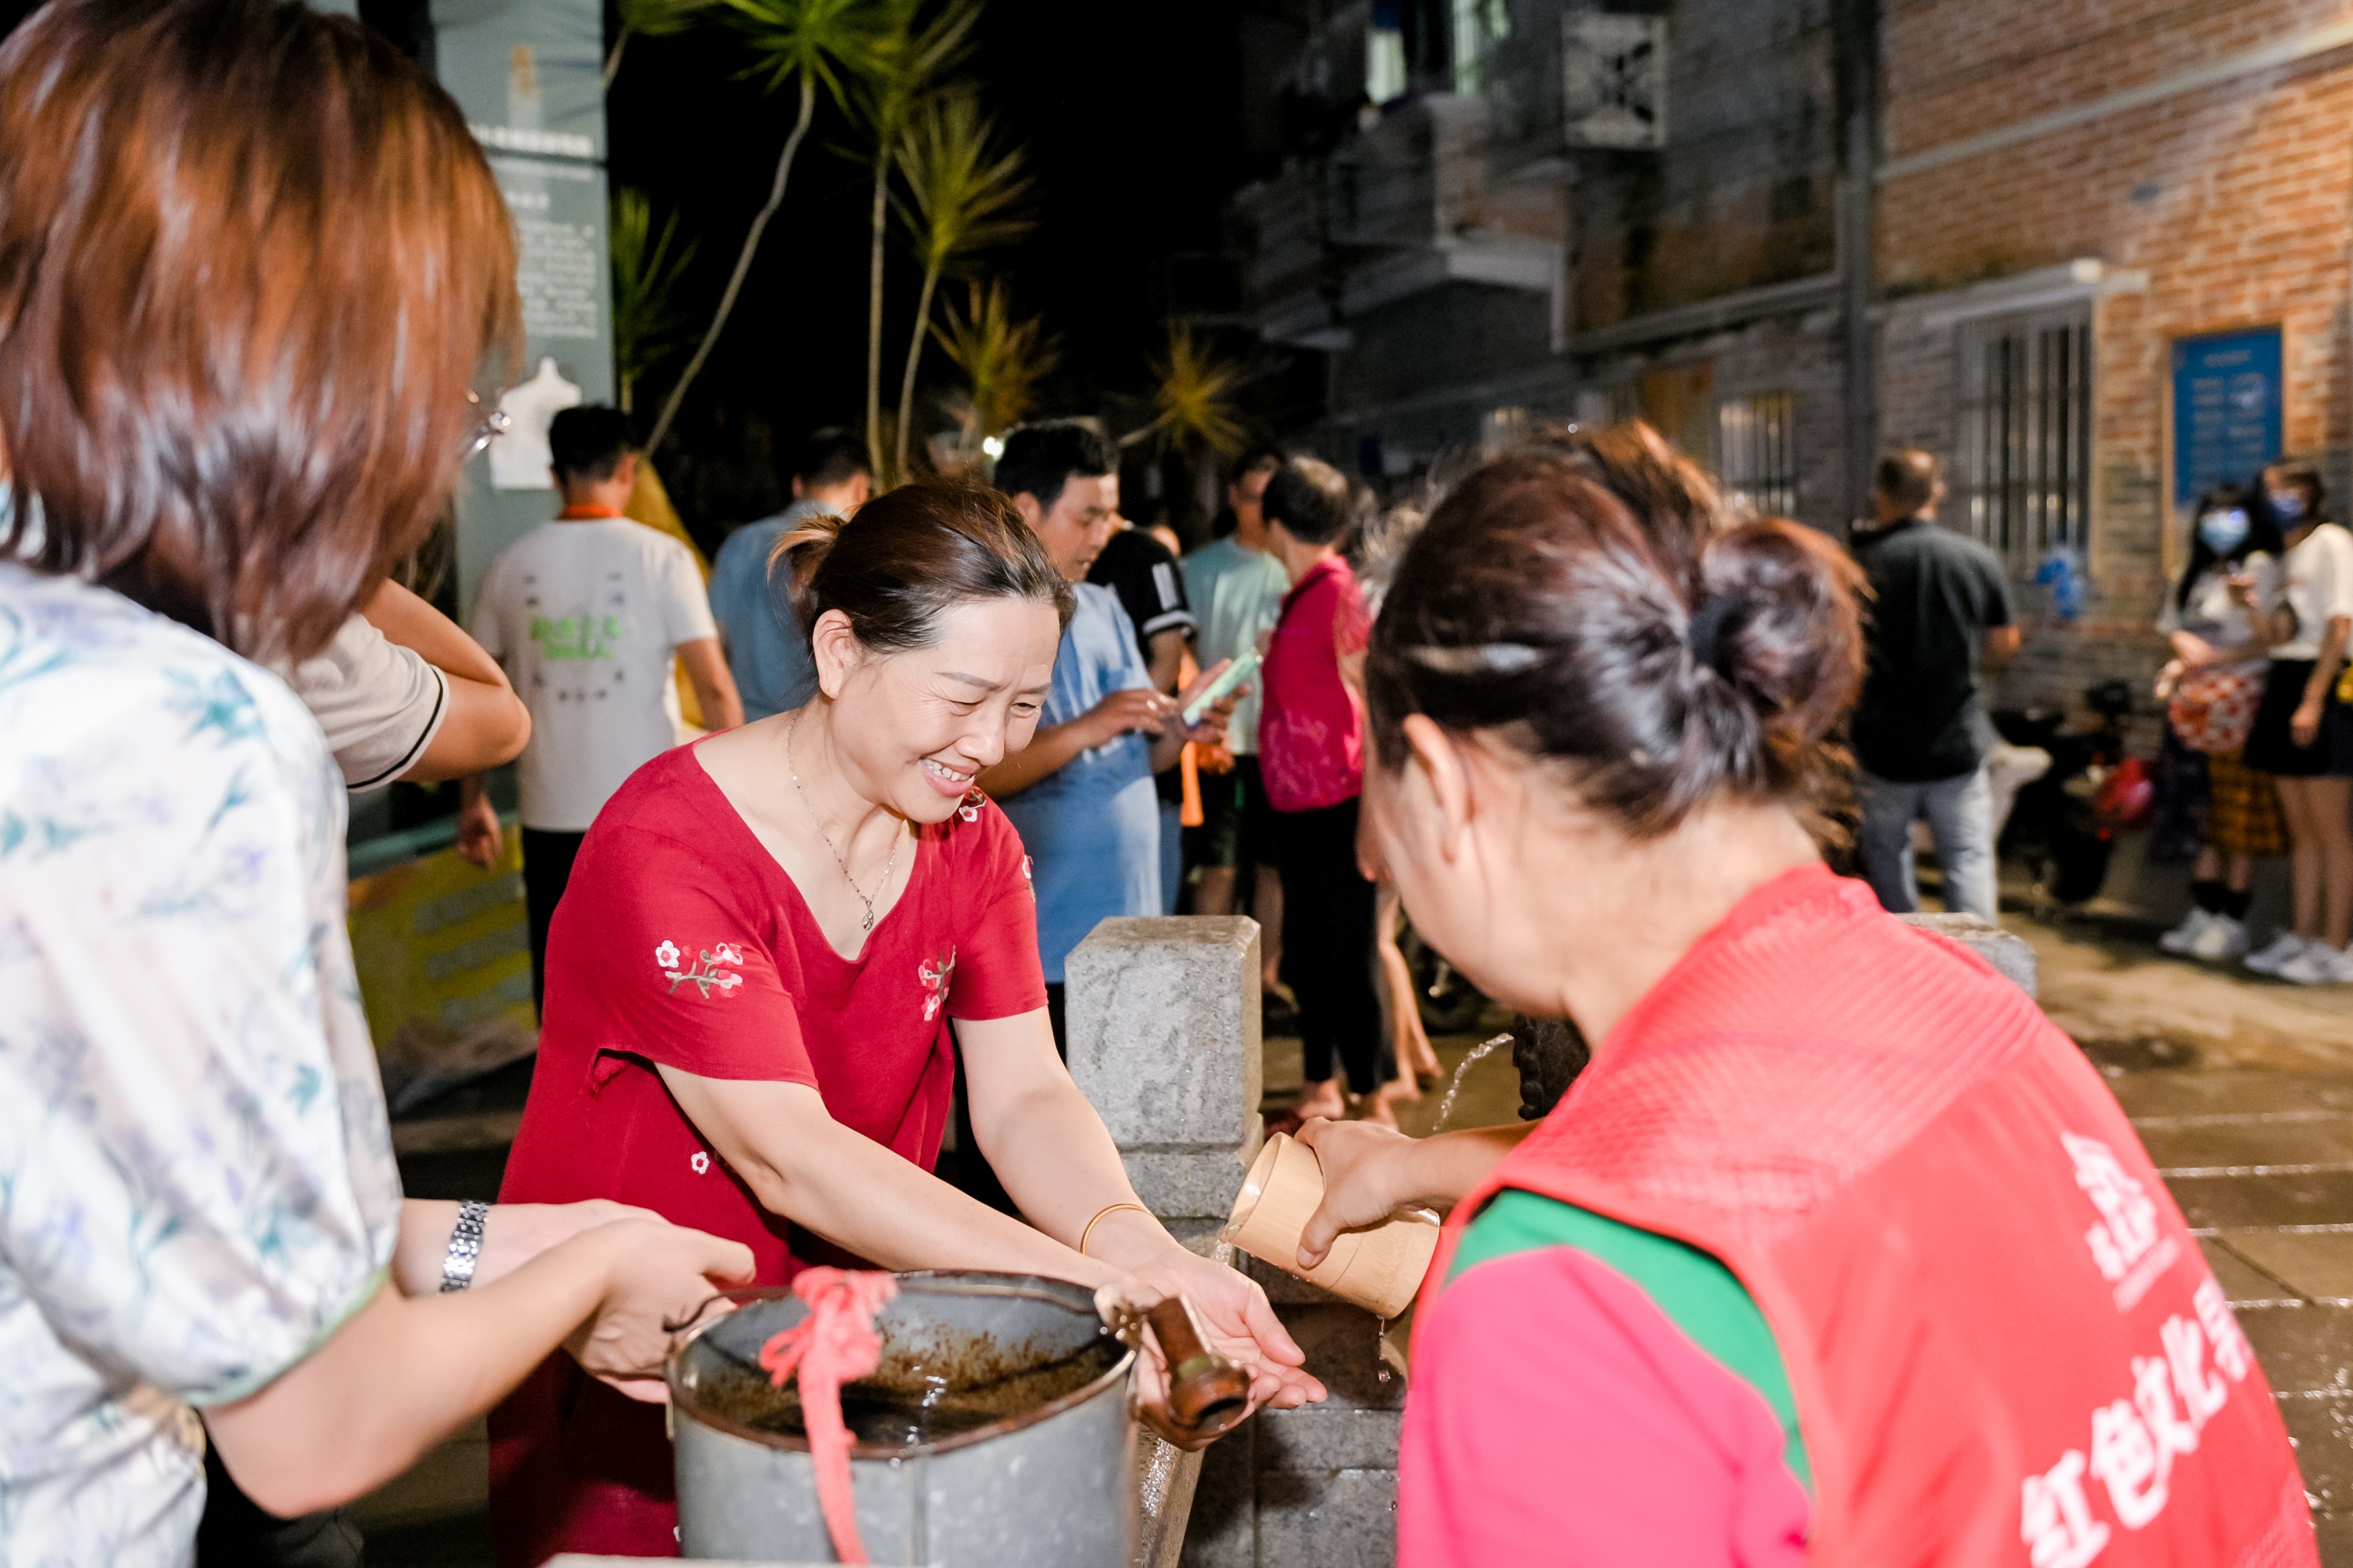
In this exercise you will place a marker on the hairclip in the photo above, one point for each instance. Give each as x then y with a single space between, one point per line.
1480 658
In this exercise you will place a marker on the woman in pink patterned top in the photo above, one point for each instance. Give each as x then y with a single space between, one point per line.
1311 740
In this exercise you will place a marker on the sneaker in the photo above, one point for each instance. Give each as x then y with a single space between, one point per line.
2319 964
2272 958
2223 940
2183 937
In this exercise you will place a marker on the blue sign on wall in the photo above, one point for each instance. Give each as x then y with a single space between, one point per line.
2226 410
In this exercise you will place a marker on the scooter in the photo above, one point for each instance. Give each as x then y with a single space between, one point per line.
2064 824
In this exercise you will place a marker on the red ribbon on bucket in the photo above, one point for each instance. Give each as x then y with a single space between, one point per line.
835 1344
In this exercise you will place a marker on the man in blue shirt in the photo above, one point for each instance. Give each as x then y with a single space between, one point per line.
1080 791
767 648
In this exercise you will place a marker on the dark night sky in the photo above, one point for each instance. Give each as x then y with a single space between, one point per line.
1129 117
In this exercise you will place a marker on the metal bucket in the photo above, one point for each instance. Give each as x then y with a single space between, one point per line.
1046 1484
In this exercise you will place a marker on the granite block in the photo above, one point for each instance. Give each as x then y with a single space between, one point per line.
2010 955
1223 1531
1163 1028
1317 1437
1190 1184
1339 1519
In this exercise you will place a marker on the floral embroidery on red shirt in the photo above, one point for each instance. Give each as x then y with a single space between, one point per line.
705 975
935 973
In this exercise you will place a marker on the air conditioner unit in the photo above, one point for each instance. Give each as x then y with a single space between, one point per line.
1614 79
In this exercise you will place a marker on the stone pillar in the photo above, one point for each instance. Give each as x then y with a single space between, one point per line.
1163 1015
2011 954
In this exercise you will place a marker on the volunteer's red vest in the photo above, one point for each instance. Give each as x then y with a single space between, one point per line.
2004 1344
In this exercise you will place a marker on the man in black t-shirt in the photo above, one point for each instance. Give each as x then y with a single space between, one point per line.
1938 602
1151 589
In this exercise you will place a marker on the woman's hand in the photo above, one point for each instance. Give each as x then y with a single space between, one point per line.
1140 708
515 1234
2304 729
2169 677
1239 1325
1362 1180
1211 730
656 1275
480 837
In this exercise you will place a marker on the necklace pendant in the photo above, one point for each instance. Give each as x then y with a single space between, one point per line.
869 921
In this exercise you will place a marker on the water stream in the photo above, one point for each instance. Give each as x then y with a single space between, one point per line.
1478 1052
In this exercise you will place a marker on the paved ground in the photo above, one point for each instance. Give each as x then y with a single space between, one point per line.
2242 1089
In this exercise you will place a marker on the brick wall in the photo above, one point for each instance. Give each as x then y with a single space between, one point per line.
2236 201
1957 69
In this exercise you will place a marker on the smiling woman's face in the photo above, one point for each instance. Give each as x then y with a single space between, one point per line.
914 728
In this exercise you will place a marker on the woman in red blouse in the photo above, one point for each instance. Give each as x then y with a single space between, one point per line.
752 979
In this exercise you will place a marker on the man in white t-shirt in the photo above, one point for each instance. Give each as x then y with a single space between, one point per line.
585 614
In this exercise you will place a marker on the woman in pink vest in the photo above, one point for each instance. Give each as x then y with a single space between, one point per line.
1838 1252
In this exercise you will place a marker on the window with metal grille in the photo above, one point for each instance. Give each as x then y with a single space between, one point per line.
1757 451
2023 478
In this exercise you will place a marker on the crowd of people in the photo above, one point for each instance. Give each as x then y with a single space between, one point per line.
1798 1272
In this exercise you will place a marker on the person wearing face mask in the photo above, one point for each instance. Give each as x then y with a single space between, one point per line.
2302 734
1837 1253
2213 683
776 945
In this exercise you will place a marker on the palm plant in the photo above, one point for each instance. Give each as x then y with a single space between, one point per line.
906 62
963 191
1003 360
817 43
1192 395
648 325
650 19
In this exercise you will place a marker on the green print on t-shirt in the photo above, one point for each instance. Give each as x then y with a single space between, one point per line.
576 636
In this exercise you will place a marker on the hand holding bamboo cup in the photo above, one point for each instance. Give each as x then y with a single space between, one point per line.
1379 1268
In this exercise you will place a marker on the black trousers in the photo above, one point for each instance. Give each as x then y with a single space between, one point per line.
546 866
237 1534
1327 943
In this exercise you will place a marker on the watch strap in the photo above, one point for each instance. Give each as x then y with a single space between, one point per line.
465 1245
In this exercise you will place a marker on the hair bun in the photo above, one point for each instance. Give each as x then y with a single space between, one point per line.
1595 599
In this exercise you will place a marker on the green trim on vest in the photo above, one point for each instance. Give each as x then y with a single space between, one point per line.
1699 1295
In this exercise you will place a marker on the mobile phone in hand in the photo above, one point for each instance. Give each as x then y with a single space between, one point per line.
1244 665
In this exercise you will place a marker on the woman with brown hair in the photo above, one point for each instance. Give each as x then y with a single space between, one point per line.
249 261
1837 1252
777 944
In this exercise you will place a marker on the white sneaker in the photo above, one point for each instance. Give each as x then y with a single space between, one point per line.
2183 937
2319 964
2273 958
2223 940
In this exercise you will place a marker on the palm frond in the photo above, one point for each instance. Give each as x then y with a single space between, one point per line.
906 60
1192 395
1003 359
648 325
661 18
966 190
829 42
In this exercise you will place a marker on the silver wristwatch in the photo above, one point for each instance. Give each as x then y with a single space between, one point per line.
465 1245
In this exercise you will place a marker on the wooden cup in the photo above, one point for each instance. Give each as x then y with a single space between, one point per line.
1379 1268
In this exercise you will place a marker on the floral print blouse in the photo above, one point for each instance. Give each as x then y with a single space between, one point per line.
196 1179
